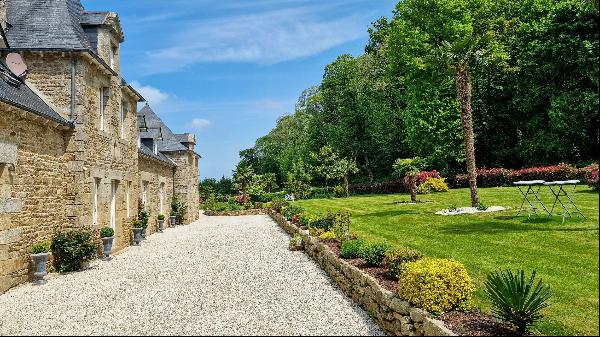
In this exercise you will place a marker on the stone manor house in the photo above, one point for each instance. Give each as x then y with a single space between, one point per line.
74 150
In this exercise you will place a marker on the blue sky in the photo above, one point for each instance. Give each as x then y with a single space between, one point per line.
226 70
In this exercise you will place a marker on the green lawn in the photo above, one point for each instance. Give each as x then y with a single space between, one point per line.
564 255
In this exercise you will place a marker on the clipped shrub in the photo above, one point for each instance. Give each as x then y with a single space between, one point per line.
339 191
107 232
269 205
341 225
395 258
71 249
296 242
324 222
351 249
327 236
591 176
314 231
516 299
435 285
161 217
137 224
433 185
143 217
373 253
40 248
291 210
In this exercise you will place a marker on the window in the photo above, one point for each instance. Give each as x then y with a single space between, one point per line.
155 147
95 192
113 204
113 57
127 194
123 113
102 106
144 194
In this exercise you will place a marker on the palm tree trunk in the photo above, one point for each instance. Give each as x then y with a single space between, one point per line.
413 189
464 91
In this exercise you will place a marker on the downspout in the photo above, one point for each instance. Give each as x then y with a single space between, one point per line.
73 76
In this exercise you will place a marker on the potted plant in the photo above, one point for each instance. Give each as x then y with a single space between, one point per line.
138 226
107 235
143 216
39 254
173 218
161 222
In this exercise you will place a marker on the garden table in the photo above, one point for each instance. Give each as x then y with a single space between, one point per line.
533 188
558 189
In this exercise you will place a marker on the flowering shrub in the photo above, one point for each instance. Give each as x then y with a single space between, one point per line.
495 177
422 177
433 185
591 176
435 285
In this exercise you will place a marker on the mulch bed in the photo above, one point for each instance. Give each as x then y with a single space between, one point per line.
476 323
471 323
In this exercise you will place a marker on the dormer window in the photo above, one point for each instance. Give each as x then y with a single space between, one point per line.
113 57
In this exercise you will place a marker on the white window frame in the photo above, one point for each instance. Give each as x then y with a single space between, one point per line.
145 195
102 108
114 188
155 146
95 201
123 113
162 198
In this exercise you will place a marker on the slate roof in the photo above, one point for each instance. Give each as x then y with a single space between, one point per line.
93 18
169 142
22 97
145 151
48 24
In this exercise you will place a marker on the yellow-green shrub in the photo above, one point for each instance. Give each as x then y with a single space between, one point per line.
433 184
435 285
327 236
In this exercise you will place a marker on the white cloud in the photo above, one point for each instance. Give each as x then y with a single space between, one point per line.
153 95
198 124
264 38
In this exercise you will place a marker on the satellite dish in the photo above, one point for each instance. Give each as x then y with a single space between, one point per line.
15 63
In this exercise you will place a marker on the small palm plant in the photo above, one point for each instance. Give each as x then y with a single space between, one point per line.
516 299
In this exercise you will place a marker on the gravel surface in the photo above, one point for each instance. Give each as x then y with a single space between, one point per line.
219 276
471 210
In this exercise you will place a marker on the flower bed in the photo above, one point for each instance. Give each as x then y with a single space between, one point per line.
237 213
394 315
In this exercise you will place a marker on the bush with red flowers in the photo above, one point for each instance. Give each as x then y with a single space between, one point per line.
591 176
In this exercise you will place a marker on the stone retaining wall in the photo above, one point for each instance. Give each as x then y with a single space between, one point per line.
394 315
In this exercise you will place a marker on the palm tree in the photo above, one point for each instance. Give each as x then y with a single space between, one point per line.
243 175
409 168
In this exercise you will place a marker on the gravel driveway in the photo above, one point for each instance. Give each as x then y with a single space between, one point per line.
219 276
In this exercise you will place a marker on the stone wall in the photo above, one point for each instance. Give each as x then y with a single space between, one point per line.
393 314
186 181
32 192
155 173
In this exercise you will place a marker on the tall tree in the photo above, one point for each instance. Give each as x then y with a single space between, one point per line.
243 175
456 36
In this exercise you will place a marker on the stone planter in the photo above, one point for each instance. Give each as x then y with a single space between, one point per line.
107 244
39 264
161 225
173 221
144 233
137 235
